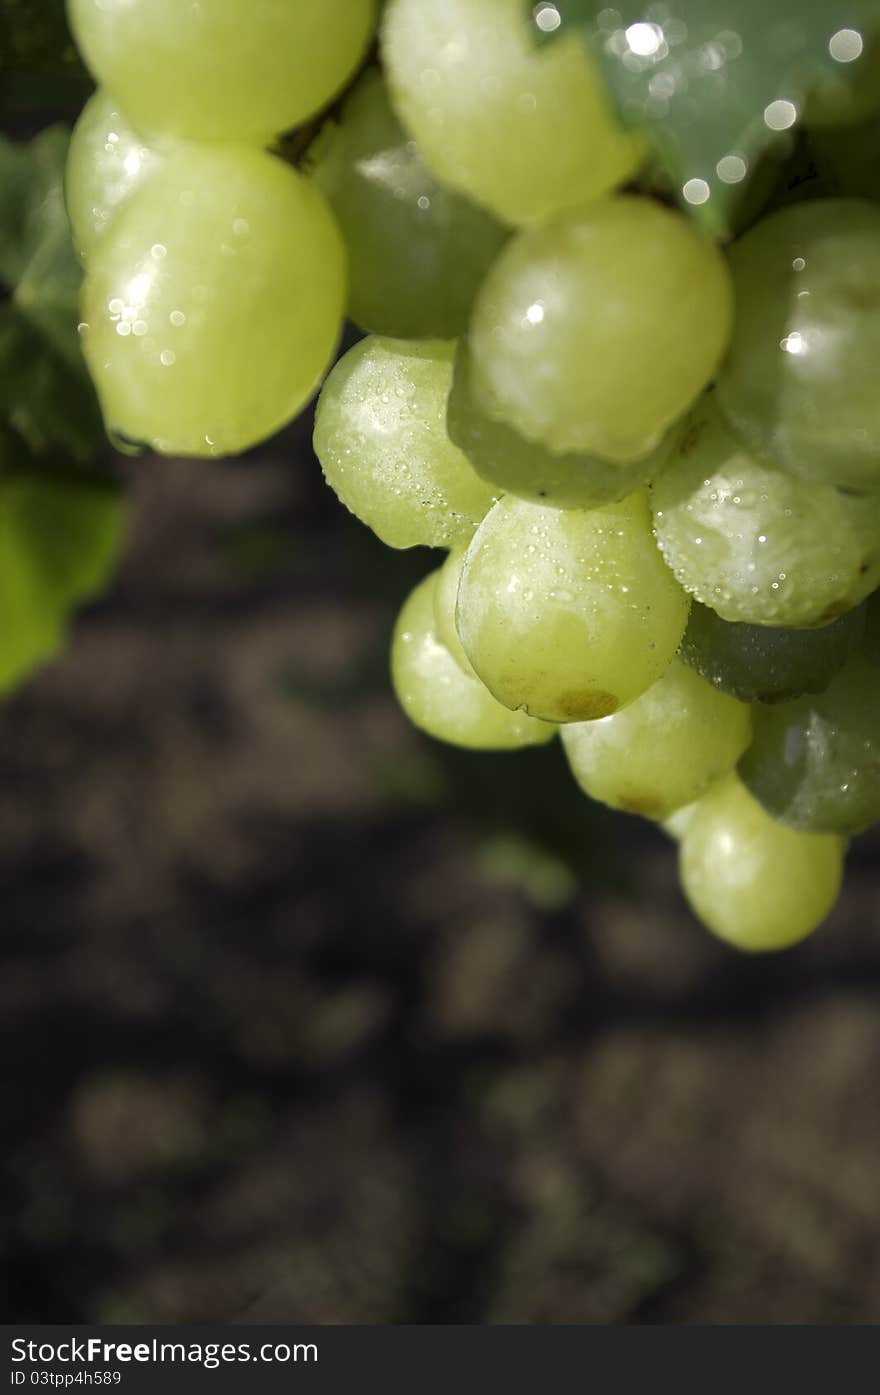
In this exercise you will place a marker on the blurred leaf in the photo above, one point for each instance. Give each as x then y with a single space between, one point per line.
60 539
512 860
45 391
712 81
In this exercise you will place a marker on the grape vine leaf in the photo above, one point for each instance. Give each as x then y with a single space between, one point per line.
61 534
714 82
45 391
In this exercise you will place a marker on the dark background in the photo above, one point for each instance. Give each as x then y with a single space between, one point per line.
307 1018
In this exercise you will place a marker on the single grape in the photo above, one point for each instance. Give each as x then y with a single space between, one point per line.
442 700
380 435
753 882
218 72
662 751
593 332
107 160
504 458
757 663
798 384
417 251
523 129
445 604
203 330
815 763
756 544
568 615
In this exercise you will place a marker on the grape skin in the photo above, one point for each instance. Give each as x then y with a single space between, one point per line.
799 382
664 750
753 882
442 700
758 663
568 615
380 435
815 763
218 72
755 544
582 342
107 161
445 605
505 459
527 131
417 251
203 334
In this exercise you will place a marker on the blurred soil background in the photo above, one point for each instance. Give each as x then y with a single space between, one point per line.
308 1019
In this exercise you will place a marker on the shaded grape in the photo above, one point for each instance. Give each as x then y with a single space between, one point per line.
442 700
417 251
753 882
380 435
815 763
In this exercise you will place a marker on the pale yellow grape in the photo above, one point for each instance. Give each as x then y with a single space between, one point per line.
752 881
380 435
445 605
107 160
570 614
595 331
664 750
756 544
214 303
526 130
442 700
222 70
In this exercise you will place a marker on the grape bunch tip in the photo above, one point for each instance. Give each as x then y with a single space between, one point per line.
652 458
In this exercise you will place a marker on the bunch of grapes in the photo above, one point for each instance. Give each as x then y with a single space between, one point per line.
653 463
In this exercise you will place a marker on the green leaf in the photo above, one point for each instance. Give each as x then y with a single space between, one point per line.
713 82
60 540
45 391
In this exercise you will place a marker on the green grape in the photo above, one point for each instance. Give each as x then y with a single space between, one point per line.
203 329
526 130
504 458
757 663
568 615
753 882
106 162
445 603
217 71
677 825
593 332
442 700
662 751
799 381
755 544
815 763
417 251
380 435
